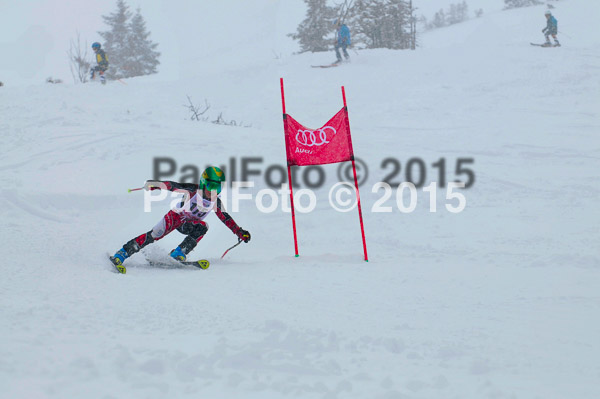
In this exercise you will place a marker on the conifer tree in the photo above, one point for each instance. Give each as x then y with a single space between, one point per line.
128 47
521 3
381 23
116 40
313 31
142 55
372 23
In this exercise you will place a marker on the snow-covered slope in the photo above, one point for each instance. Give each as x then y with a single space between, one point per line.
500 300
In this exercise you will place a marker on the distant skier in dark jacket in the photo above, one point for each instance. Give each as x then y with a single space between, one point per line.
551 29
187 218
102 60
342 40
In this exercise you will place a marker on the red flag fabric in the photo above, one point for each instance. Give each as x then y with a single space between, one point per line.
329 144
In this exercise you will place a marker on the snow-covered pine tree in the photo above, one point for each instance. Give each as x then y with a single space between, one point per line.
463 11
142 56
521 3
373 23
382 23
312 32
128 47
115 40
439 20
457 13
396 25
364 23
357 23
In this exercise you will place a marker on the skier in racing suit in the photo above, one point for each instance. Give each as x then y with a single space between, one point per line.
187 218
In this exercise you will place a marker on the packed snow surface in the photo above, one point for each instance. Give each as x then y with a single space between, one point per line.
500 300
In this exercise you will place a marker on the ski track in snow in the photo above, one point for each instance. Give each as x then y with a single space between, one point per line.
499 301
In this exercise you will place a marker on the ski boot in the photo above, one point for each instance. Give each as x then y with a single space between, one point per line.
556 43
118 260
547 44
178 254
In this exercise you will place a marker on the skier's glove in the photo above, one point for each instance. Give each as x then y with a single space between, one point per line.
153 184
244 235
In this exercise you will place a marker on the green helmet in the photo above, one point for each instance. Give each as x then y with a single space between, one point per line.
211 179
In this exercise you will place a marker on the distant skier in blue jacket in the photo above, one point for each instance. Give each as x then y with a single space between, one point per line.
342 34
551 29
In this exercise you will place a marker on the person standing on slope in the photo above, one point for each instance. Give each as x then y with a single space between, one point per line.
187 218
550 29
102 61
342 40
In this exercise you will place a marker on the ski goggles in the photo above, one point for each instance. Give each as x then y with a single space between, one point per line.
212 185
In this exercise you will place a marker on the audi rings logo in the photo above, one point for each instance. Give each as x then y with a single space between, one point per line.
309 137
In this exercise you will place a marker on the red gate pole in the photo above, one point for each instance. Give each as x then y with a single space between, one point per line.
289 171
362 227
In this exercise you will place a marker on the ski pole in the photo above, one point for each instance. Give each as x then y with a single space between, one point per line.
230 248
562 33
142 188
